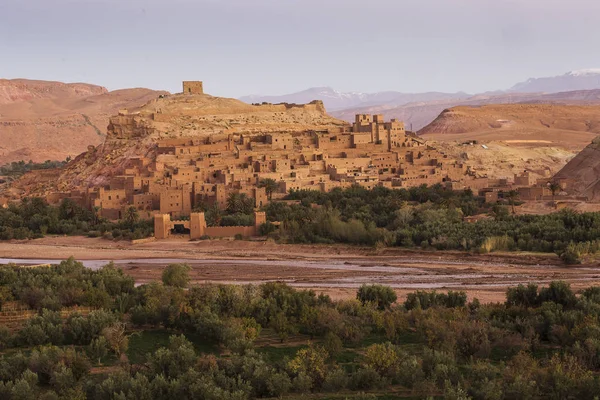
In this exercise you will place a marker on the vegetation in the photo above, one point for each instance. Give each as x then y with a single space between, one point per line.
34 218
421 217
430 218
160 341
18 168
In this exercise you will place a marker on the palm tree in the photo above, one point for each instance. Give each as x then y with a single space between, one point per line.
512 195
213 215
95 215
131 215
270 186
235 203
554 188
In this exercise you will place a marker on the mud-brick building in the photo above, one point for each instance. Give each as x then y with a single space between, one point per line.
197 227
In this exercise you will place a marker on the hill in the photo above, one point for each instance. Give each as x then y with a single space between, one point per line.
419 114
185 116
583 171
42 120
536 137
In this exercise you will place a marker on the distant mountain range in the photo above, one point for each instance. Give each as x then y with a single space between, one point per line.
335 100
419 109
584 79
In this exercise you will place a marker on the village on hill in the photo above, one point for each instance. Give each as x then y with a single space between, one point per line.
183 172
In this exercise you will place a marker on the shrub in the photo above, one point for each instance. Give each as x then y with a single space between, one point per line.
382 296
365 379
176 275
336 380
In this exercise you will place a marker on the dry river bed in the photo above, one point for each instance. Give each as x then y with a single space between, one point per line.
337 270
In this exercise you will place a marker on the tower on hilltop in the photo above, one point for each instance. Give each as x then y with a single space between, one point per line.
193 87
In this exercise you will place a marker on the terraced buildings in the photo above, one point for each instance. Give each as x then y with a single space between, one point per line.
184 150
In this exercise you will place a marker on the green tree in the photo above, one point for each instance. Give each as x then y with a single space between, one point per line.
311 361
383 358
554 188
98 349
117 339
131 215
176 275
270 185
512 196
382 296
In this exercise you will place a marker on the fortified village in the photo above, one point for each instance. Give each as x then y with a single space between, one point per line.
182 151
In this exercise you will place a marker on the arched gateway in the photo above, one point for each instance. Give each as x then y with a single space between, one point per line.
163 225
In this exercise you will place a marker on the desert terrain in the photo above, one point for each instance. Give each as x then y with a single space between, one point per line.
511 138
336 270
41 120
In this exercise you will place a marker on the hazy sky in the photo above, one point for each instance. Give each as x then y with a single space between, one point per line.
240 47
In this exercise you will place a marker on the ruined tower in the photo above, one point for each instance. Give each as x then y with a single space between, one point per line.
193 87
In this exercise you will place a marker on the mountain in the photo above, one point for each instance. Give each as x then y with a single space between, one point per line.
585 79
583 172
42 120
537 137
334 100
132 137
418 114
419 109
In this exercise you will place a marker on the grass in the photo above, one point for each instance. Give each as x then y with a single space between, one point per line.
144 342
278 354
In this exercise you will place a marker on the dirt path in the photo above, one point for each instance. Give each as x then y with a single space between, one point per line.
336 270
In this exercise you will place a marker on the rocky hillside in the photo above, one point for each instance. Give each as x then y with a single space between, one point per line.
542 122
584 170
135 134
514 137
42 120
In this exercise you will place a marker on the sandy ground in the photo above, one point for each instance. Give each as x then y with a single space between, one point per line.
335 270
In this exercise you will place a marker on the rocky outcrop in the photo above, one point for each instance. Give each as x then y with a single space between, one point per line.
583 172
16 90
52 120
134 133
464 119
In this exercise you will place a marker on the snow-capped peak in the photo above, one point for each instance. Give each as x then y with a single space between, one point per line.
585 72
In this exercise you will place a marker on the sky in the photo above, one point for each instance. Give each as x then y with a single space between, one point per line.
241 47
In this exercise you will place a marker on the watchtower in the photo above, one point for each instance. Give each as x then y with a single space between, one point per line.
193 87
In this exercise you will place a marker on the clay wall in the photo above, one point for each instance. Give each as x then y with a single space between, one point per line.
230 231
525 179
349 162
280 142
111 199
146 201
532 193
193 87
360 139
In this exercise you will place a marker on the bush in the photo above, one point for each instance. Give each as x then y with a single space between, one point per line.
176 275
365 379
382 296
336 380
278 384
423 300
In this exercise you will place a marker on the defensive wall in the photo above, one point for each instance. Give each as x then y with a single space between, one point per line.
163 225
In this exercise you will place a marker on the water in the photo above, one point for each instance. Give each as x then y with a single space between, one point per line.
407 276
